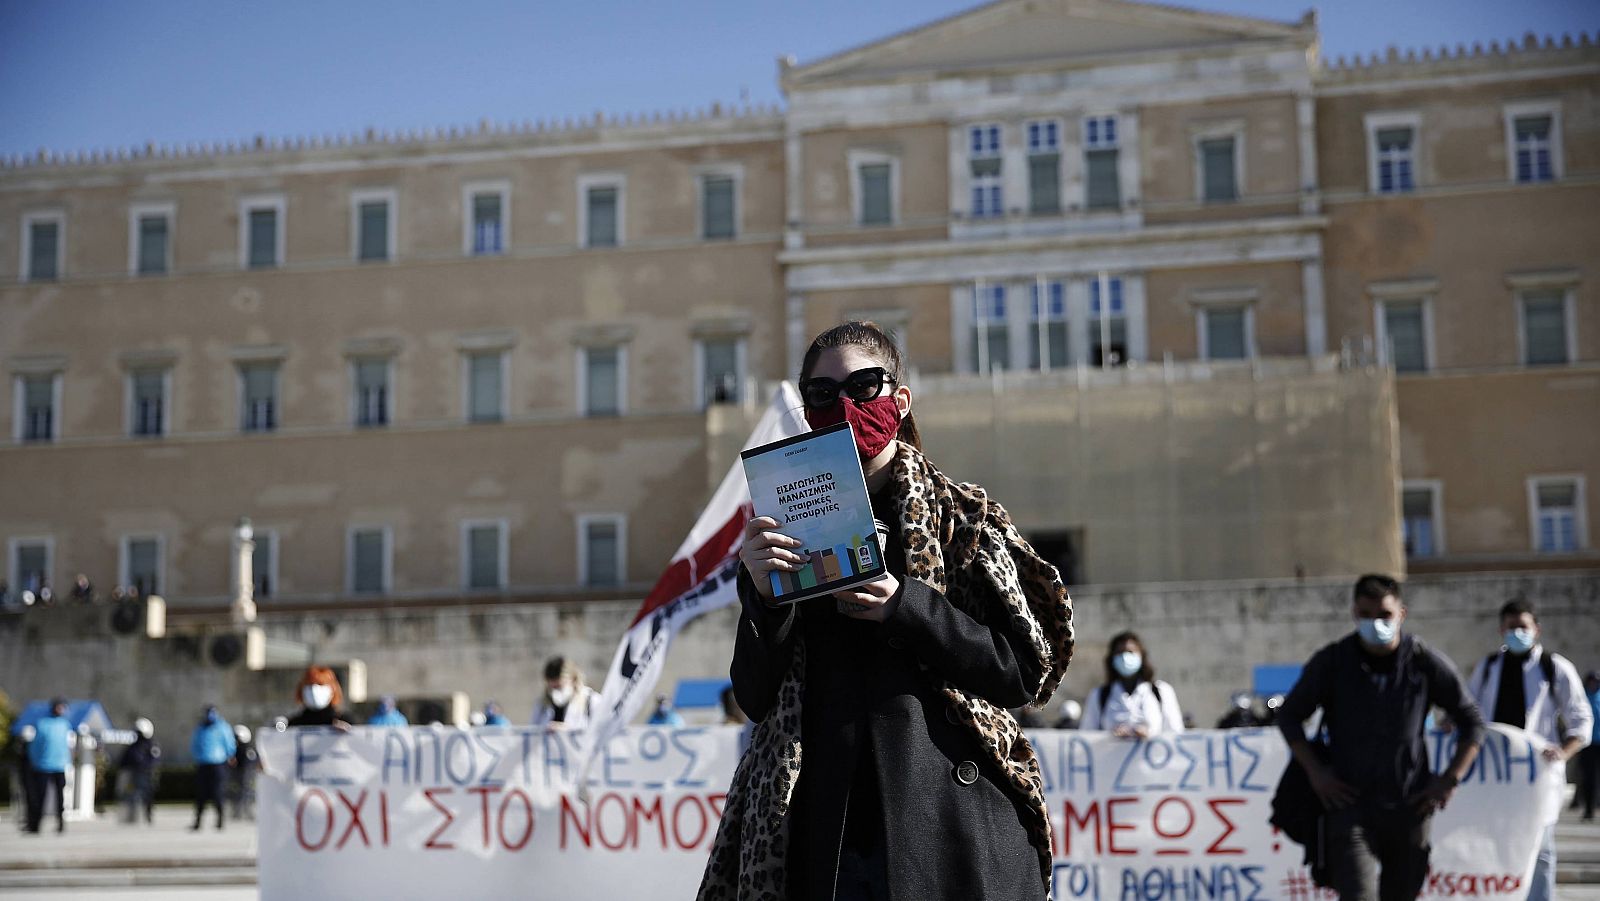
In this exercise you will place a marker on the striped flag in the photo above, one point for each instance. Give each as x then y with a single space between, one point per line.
700 579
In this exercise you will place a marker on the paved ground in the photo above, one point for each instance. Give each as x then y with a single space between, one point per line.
104 859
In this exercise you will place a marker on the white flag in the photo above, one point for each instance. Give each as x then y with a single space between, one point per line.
699 579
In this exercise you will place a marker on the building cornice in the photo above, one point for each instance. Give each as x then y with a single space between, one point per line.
381 149
1408 69
1147 235
1159 247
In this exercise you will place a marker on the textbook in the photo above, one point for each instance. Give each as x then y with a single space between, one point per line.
813 486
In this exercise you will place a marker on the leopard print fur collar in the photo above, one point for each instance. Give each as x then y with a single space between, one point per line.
955 539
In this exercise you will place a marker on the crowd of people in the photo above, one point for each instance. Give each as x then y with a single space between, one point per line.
37 591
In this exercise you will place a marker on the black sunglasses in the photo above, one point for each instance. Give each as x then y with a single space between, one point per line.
860 386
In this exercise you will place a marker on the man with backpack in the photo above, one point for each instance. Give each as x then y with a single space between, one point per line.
1525 686
1372 777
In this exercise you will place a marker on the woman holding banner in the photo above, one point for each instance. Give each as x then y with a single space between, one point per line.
900 687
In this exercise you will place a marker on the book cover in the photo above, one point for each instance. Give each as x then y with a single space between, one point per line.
813 486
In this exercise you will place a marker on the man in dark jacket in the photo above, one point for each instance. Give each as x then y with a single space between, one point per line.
1375 688
139 761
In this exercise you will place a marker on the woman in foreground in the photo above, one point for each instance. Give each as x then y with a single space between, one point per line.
884 762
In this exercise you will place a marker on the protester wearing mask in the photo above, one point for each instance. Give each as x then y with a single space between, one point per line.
884 762
1526 686
322 698
1375 688
139 762
212 746
1132 703
567 703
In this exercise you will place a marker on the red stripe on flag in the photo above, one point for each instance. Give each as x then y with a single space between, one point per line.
677 579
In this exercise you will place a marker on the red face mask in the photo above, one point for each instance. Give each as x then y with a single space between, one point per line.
875 422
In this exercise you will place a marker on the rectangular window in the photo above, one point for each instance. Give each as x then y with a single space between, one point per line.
142 565
721 380
603 216
1047 340
148 413
262 233
602 381
259 392
30 565
718 207
1395 160
1558 515
1102 185
43 254
991 338
154 243
264 564
984 162
877 198
373 224
1417 516
1108 325
487 224
485 388
601 544
372 392
369 561
485 561
37 418
1405 335
1044 167
1226 332
1217 170
1544 328
1535 160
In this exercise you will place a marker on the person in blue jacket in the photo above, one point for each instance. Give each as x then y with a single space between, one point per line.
49 755
388 714
664 715
212 748
493 715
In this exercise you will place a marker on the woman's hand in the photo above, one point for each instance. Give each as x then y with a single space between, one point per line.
765 550
1127 731
875 601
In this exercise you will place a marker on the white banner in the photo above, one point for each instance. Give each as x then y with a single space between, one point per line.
432 813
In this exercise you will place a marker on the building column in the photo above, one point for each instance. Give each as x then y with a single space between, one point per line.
794 333
794 185
1310 189
1311 288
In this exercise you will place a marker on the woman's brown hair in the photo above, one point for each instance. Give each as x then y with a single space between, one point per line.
876 342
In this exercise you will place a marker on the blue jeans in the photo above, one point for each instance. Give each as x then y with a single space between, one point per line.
1543 887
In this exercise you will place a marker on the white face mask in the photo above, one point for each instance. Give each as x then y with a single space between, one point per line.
561 697
317 696
1127 663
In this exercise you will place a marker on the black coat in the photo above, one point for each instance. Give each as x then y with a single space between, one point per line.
949 830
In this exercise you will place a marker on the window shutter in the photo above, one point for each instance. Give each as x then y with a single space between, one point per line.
717 205
152 245
1544 325
876 203
1217 166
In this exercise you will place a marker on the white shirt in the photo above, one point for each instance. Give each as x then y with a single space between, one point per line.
580 710
1543 700
1139 707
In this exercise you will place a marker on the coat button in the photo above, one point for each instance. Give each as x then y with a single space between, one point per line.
897 644
966 772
